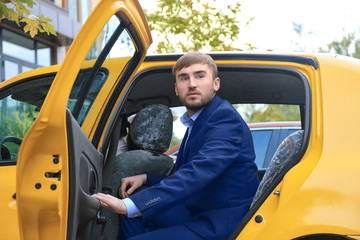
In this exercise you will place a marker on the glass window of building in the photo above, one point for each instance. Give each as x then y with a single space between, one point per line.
73 9
20 54
12 69
18 46
43 54
84 10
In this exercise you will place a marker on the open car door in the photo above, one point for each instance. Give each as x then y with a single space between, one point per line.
61 159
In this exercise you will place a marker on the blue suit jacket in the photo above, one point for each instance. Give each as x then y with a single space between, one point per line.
215 176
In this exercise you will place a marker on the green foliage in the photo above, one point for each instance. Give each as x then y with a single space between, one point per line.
299 30
16 124
348 46
193 25
270 113
17 11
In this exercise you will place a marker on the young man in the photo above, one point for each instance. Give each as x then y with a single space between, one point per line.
215 176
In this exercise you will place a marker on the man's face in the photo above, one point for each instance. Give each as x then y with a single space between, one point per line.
195 86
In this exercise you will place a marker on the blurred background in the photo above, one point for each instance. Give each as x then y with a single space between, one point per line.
185 25
277 25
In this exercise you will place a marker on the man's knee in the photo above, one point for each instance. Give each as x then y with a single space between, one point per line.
179 232
130 227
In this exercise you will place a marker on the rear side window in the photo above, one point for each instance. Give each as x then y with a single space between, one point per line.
272 97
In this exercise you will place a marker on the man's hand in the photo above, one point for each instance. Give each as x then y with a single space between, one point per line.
114 204
130 184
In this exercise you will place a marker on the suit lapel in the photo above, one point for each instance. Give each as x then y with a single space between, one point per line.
204 115
198 124
180 153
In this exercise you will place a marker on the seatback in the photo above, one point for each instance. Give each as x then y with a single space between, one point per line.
285 154
152 128
149 137
150 134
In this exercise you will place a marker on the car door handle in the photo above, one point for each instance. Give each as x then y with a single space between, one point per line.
100 219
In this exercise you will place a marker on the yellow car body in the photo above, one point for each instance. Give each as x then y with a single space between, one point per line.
317 197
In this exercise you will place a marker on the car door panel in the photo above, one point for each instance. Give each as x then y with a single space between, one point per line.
85 164
59 166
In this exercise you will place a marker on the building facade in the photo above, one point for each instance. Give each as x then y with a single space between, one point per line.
19 52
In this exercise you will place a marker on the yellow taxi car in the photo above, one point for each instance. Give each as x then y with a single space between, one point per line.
66 120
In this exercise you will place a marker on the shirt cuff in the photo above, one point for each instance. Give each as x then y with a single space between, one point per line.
132 210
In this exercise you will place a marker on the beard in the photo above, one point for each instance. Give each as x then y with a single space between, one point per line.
197 105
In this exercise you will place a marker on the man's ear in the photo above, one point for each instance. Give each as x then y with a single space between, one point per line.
216 84
176 92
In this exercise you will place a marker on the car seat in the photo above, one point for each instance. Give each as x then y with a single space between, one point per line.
149 137
285 153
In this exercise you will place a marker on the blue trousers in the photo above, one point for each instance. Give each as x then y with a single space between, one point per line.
168 225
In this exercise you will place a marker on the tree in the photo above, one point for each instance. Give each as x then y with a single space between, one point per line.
193 25
302 36
18 11
348 46
277 113
269 112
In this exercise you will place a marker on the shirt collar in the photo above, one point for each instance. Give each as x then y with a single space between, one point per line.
189 121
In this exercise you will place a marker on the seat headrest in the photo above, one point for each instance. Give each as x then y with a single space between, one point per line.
152 128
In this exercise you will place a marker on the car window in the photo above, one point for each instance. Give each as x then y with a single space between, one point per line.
20 105
113 41
90 101
178 128
263 119
268 117
290 131
91 80
261 140
81 110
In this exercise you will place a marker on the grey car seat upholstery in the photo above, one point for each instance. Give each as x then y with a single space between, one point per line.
285 153
149 137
